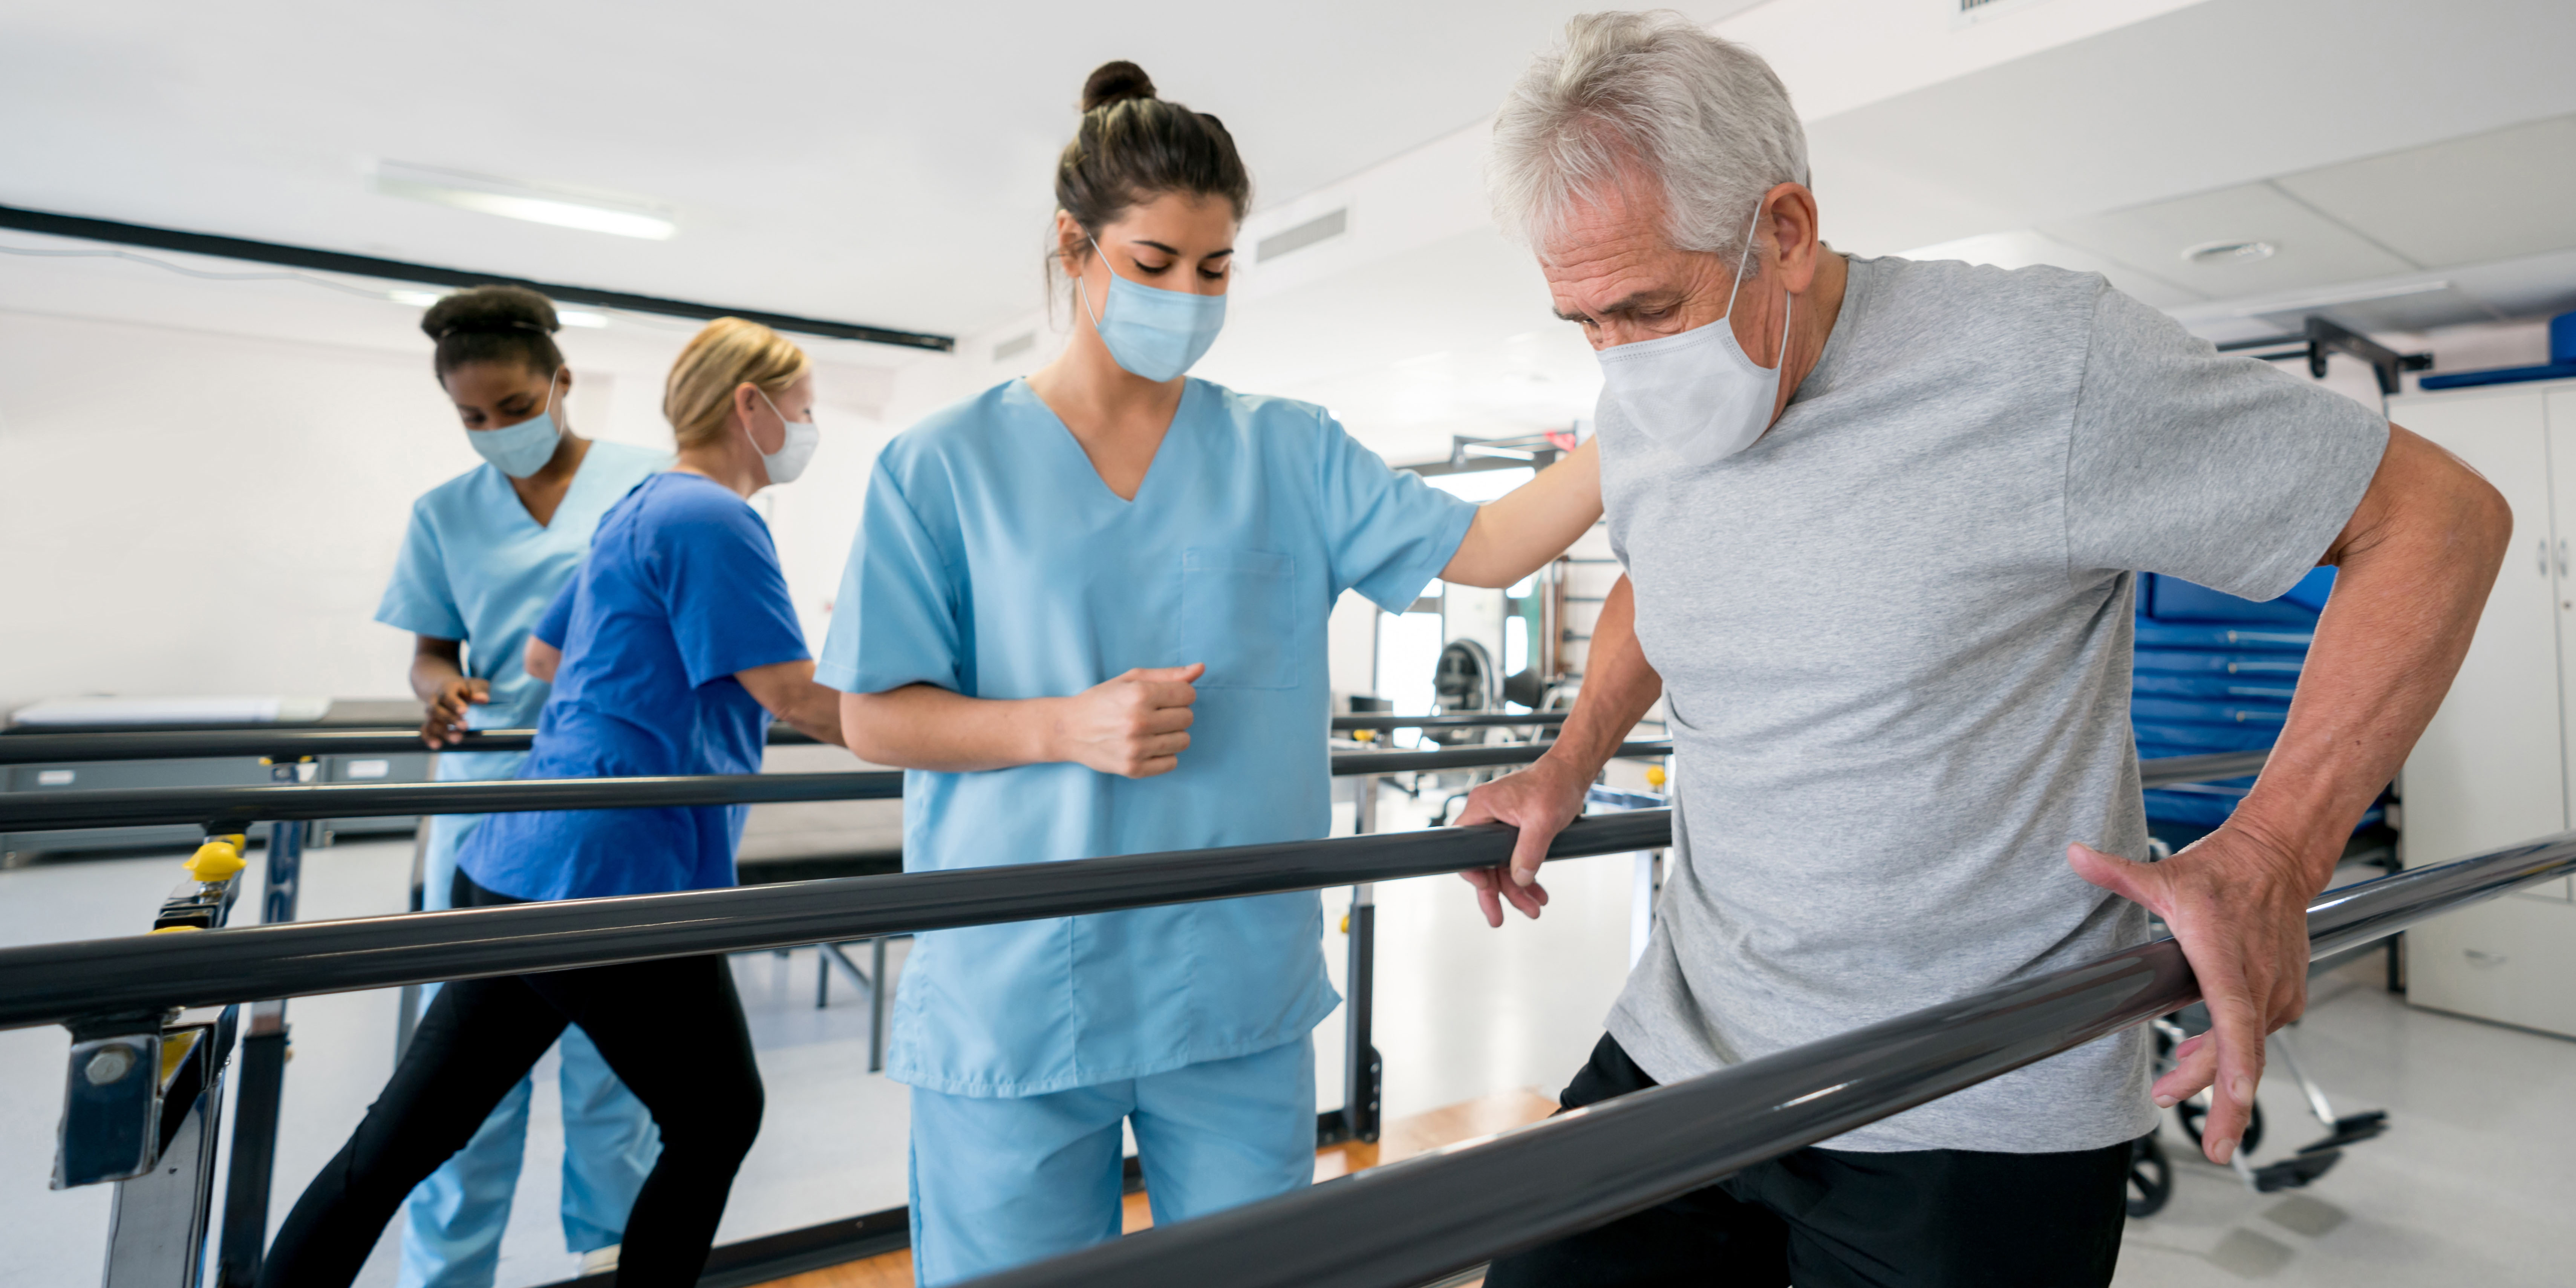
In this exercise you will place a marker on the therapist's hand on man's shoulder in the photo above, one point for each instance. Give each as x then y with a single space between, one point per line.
1134 725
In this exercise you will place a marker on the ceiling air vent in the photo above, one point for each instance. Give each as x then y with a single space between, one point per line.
1014 347
1319 228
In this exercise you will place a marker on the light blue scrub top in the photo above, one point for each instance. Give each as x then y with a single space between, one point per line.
994 562
476 567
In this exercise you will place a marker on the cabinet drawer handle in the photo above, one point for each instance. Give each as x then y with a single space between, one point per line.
2480 957
2544 558
2562 556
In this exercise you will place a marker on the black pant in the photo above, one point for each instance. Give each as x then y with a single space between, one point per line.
1845 1219
671 1030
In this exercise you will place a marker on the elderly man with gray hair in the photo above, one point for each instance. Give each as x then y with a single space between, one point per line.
1880 522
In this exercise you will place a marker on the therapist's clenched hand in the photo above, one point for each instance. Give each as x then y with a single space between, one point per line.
444 725
1135 725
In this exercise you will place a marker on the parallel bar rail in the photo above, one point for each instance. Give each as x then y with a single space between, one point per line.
1416 1221
238 807
17 748
56 983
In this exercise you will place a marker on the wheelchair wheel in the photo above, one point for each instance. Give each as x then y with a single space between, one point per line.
2150 1176
2192 1112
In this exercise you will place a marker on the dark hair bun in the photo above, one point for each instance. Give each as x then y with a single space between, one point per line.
488 310
1116 83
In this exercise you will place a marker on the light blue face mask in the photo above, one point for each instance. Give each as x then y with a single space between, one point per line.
1152 332
522 449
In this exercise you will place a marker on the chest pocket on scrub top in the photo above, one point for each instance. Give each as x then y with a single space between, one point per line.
1238 615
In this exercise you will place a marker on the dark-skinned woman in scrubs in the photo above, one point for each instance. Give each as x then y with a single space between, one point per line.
1088 608
669 652
485 553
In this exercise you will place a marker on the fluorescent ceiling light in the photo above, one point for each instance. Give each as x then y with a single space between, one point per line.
563 208
569 317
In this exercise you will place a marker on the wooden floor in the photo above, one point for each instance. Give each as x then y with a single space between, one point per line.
1462 1123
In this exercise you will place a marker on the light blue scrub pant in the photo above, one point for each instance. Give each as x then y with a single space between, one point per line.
452 1223
998 1181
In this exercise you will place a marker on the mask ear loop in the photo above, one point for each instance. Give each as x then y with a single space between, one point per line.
1085 291
773 410
1788 302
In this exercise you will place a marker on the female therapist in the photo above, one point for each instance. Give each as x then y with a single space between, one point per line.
672 647
485 554
1090 607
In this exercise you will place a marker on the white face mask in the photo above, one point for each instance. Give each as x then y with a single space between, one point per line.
1697 395
792 455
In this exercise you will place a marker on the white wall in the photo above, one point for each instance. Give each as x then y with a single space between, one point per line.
185 511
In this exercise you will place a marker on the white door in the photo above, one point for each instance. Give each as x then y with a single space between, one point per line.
2488 771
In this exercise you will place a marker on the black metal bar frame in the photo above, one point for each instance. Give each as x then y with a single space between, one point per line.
22 748
238 807
58 983
1416 1221
395 270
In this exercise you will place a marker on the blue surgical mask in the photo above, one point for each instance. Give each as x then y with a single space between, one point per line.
522 449
1152 332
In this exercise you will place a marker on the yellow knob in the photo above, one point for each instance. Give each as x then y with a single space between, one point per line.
216 860
165 930
1346 923
1654 775
1365 735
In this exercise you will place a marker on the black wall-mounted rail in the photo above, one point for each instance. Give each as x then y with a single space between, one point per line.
55 983
1415 1221
395 270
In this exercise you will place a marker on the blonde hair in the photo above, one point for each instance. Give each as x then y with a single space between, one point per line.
699 395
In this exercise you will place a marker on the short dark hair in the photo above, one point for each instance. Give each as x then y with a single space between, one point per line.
493 324
1132 147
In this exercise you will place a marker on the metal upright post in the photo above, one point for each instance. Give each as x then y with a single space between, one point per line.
257 1104
1362 1068
156 1230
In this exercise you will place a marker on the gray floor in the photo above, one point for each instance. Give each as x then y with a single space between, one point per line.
2469 1186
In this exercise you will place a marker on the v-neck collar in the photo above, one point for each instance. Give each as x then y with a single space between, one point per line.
1063 434
580 474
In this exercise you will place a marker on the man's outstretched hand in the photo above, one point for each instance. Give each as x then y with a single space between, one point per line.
2239 908
1540 801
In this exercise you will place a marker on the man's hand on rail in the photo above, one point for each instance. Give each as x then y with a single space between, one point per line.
1619 687
1540 801
2239 908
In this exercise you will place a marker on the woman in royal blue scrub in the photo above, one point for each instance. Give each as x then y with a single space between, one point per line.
485 554
669 652
1089 607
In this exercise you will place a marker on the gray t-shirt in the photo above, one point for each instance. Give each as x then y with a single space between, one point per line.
1895 634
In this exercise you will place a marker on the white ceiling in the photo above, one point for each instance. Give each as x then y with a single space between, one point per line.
890 165
874 162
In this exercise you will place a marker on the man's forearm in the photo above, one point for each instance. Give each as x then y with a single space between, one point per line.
1619 687
2410 584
